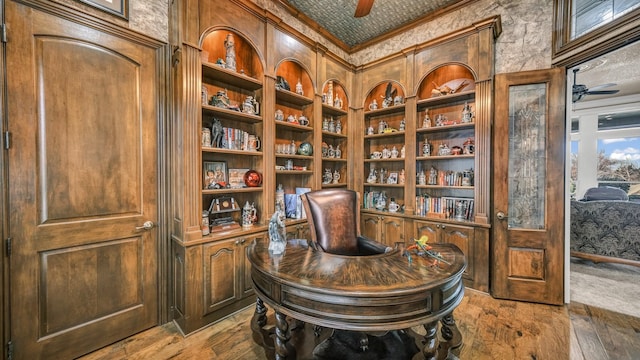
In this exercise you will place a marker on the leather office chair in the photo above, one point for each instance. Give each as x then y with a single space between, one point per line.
334 222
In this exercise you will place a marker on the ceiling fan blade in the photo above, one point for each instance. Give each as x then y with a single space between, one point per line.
363 8
598 87
601 92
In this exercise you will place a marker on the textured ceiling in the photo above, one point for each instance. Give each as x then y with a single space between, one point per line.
336 16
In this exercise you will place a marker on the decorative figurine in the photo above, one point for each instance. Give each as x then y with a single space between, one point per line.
394 153
331 152
373 105
205 94
373 175
402 151
330 93
370 130
282 84
444 150
389 94
277 233
303 120
397 100
386 153
327 176
433 176
292 147
440 120
401 177
336 177
426 148
249 106
299 90
468 147
280 198
230 46
382 201
338 127
279 115
325 124
332 125
217 135
338 152
403 124
248 215
382 125
426 122
467 115
337 102
325 149
422 178
206 137
382 176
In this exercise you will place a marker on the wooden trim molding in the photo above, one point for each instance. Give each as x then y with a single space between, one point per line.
614 35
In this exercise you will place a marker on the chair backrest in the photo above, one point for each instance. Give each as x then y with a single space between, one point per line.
334 219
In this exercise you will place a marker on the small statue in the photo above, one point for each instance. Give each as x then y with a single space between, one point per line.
394 153
433 176
389 95
282 84
248 106
216 133
403 125
467 114
397 100
336 177
230 46
373 105
422 178
401 177
325 124
338 127
402 152
338 152
327 176
299 89
426 122
370 130
277 233
373 175
426 148
444 150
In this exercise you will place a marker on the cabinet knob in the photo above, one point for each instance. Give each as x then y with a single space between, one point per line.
438 226
444 226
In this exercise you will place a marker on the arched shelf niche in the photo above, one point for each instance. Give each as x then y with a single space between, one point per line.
379 94
248 61
334 96
295 73
443 90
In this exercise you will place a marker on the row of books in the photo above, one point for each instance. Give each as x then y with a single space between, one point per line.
449 207
452 178
234 139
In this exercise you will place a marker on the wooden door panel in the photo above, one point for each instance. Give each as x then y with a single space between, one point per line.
82 112
528 195
461 237
392 231
220 275
370 227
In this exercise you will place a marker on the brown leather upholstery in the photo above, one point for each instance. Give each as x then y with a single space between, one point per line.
334 222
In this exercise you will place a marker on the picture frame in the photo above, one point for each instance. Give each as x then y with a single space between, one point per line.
116 7
236 178
214 175
393 178
222 204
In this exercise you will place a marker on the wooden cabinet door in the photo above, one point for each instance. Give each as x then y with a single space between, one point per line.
220 273
244 266
371 226
528 186
427 228
392 230
83 111
462 237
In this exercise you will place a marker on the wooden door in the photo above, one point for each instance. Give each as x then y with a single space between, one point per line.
528 193
371 226
82 114
462 237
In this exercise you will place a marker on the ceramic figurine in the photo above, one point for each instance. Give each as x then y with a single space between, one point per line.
230 46
303 120
370 130
394 152
325 149
433 176
337 102
373 105
331 152
397 100
444 150
422 178
332 125
426 122
467 115
327 176
299 90
338 152
426 148
402 152
277 233
440 120
381 204
373 175
389 95
468 147
279 115
292 147
401 177
338 127
382 176
386 153
325 124
382 125
248 106
280 198
336 177
403 124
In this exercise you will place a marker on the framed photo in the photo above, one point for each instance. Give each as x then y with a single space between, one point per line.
214 174
222 204
236 178
115 7
393 178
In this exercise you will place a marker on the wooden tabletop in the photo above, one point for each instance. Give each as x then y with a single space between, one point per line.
378 292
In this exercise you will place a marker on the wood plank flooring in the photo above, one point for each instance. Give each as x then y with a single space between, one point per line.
491 329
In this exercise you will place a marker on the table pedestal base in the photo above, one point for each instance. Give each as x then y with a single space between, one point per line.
288 338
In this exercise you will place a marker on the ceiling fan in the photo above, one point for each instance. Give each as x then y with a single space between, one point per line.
363 8
580 91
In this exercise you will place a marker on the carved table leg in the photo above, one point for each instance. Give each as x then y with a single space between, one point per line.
430 349
260 315
282 336
451 335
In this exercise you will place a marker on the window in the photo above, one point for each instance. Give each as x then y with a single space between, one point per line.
619 161
587 15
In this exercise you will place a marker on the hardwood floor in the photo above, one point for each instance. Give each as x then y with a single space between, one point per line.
491 329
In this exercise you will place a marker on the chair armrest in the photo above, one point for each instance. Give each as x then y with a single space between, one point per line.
368 246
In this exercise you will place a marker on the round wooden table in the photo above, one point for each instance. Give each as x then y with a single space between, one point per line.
361 295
